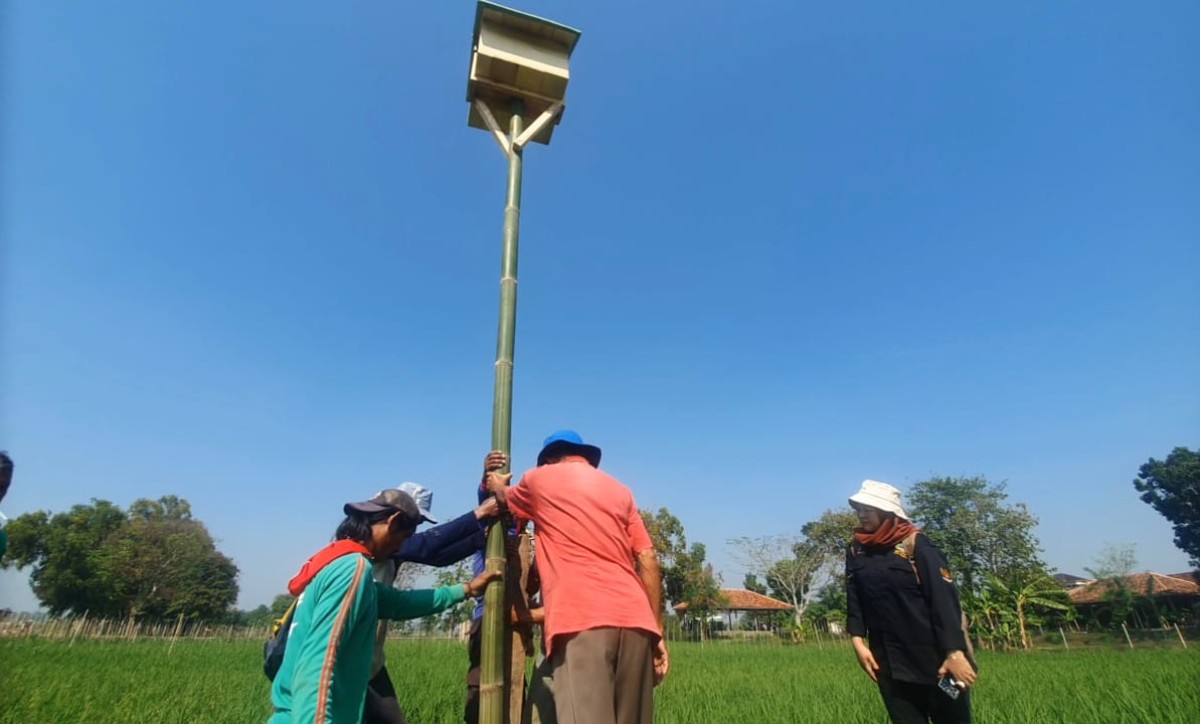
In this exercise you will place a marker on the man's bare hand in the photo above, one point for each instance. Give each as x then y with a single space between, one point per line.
477 585
487 509
662 662
532 616
497 482
495 460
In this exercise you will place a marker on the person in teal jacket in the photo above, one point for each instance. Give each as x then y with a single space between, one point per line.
327 662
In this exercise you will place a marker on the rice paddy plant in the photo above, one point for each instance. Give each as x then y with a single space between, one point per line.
221 681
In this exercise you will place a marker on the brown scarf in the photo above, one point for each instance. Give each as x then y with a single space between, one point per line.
893 530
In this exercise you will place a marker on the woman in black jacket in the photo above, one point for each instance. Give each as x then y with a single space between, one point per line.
904 616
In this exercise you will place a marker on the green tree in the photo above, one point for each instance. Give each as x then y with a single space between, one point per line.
154 561
762 619
1172 487
832 531
1113 566
751 583
168 507
258 616
682 565
280 604
978 531
830 534
461 612
830 604
167 567
61 550
1024 597
703 595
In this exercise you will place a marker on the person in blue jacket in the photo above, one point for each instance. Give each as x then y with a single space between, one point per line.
327 662
442 545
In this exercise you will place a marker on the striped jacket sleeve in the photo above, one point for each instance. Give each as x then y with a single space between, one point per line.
338 601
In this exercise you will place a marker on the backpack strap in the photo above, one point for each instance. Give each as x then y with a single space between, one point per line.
276 644
285 619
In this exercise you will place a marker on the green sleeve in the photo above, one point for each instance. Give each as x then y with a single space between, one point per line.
400 605
3 542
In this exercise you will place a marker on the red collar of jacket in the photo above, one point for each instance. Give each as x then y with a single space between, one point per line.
324 557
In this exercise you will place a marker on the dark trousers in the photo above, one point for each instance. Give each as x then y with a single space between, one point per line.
381 706
474 656
539 701
909 703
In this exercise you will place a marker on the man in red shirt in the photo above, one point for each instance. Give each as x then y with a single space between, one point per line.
601 584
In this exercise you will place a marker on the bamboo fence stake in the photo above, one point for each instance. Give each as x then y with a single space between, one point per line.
76 633
175 637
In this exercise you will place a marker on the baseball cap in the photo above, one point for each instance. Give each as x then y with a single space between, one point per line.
390 500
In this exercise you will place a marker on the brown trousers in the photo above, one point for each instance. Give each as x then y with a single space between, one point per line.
604 676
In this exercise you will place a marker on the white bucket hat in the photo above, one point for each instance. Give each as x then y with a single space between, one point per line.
879 495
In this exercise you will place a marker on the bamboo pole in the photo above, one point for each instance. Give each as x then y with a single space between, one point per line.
1126 630
492 690
1179 633
1064 638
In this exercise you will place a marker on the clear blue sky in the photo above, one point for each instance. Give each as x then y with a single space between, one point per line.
251 254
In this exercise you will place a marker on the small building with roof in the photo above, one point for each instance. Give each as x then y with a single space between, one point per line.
736 602
1153 594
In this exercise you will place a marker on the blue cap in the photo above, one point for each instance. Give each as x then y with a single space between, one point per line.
568 442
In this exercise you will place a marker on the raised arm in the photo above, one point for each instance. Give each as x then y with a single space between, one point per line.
450 542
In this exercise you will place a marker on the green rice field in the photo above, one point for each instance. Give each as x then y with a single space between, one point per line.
221 681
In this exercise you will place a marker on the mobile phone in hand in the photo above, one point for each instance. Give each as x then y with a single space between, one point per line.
950 686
